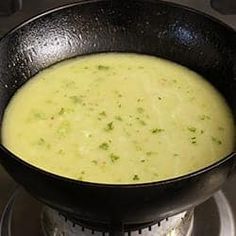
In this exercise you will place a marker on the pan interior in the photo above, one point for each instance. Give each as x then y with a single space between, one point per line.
118 118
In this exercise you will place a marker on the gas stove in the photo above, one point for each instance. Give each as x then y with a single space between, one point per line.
21 215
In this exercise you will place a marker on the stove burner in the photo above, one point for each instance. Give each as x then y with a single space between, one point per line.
55 224
23 215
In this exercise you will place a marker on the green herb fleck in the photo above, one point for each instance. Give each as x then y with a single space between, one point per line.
157 130
76 99
61 152
103 113
175 154
104 146
193 142
139 100
81 175
142 122
136 178
149 153
202 131
40 116
62 111
102 67
205 117
217 141
159 98
156 174
95 162
109 126
41 141
192 129
119 105
140 109
118 118
142 161
114 157
220 128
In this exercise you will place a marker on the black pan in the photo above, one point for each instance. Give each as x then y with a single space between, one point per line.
190 38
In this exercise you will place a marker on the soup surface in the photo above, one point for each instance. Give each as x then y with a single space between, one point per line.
118 118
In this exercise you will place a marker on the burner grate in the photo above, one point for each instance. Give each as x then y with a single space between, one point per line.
53 222
215 213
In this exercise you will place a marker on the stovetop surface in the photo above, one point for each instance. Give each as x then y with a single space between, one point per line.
29 8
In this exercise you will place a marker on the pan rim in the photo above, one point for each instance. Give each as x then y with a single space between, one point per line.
82 2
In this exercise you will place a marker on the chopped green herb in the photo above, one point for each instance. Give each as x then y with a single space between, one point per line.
175 154
220 128
142 161
205 117
62 111
159 98
193 138
217 141
192 129
157 130
138 148
103 113
102 67
95 162
136 177
119 105
142 122
202 131
104 146
175 81
41 141
140 109
118 118
76 99
61 152
81 175
114 157
39 115
109 126
149 153
119 95
194 142
139 100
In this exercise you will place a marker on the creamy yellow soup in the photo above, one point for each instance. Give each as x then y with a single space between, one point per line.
118 118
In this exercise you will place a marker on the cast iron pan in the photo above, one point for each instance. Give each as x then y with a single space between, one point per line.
142 26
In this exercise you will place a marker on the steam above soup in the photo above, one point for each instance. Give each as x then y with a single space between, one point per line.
118 118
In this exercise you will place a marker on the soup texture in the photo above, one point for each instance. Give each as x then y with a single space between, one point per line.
118 118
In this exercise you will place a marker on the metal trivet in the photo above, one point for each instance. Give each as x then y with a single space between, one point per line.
55 224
